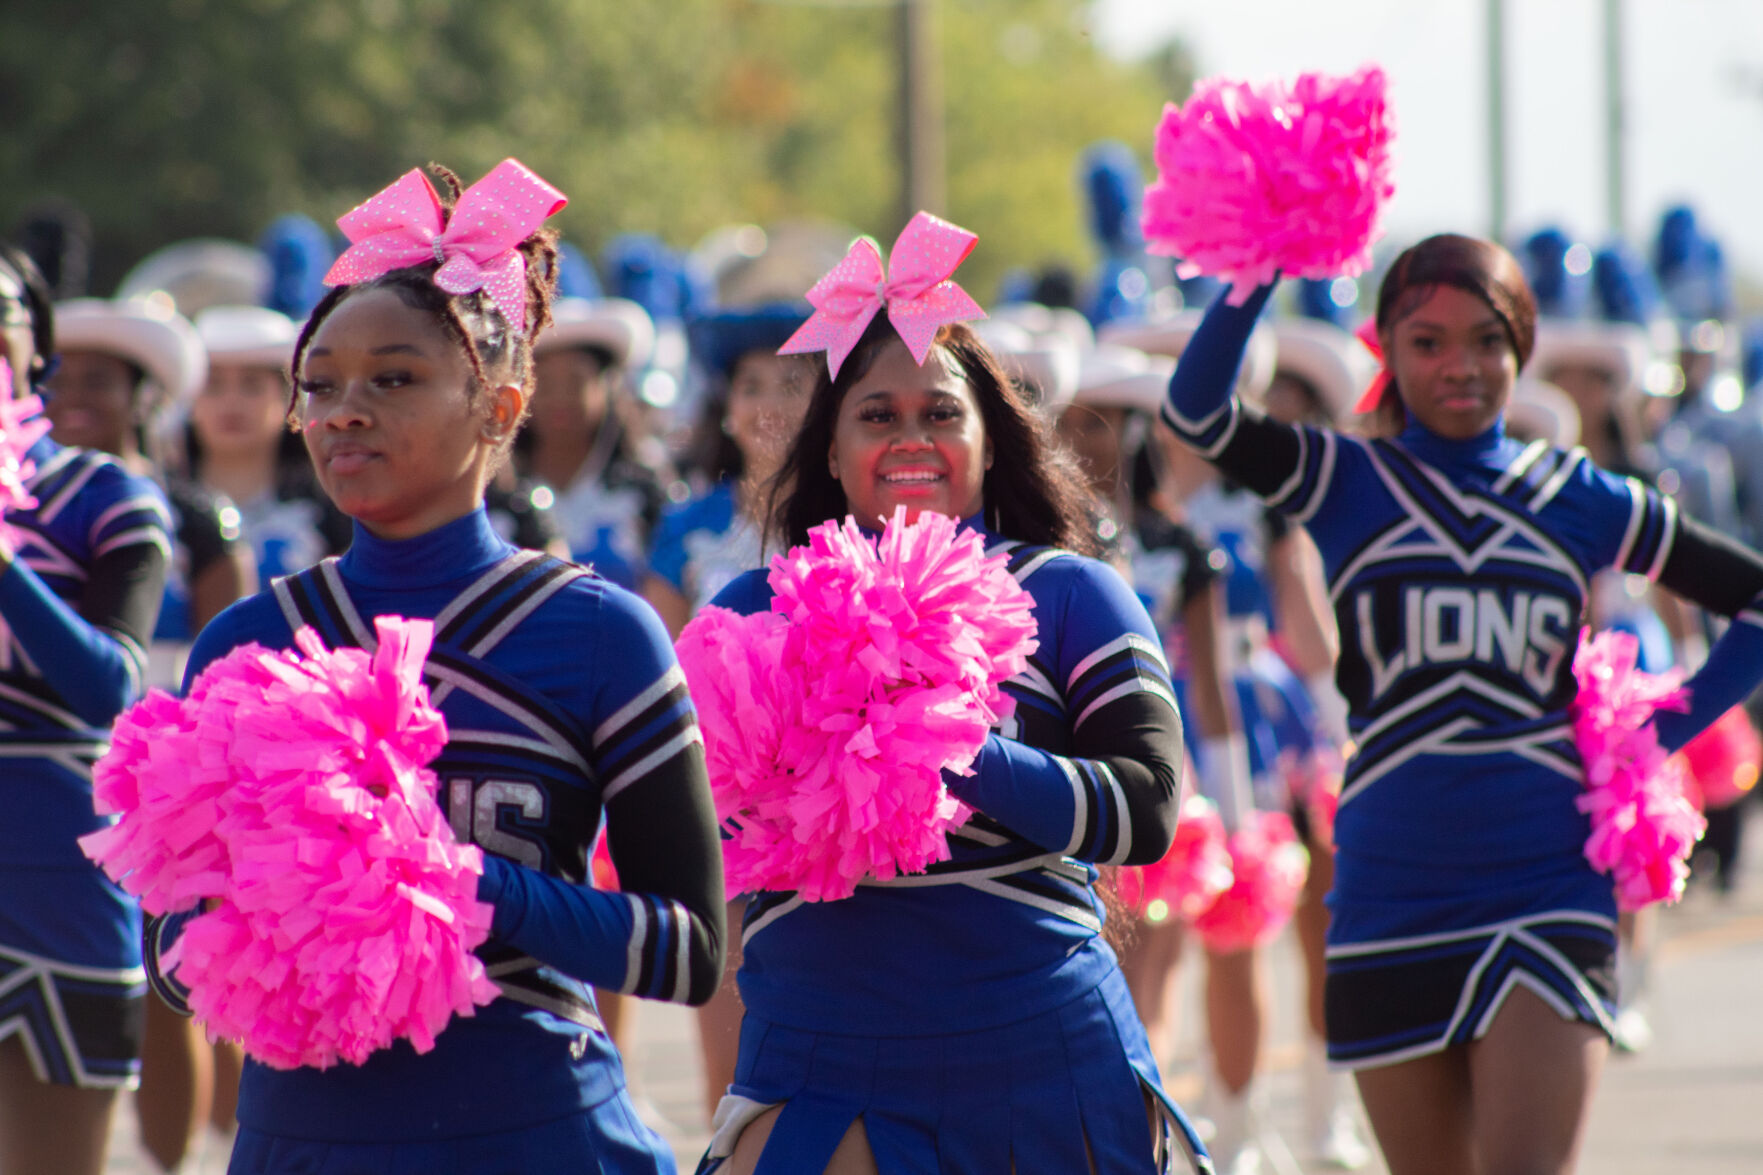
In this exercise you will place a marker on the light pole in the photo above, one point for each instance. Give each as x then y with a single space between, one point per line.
921 110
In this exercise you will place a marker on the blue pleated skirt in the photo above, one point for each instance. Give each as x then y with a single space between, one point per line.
1049 1095
606 1139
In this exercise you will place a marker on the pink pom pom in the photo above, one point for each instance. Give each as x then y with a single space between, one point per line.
1643 826
22 424
1314 780
1268 868
1721 764
294 790
829 721
1191 875
1256 180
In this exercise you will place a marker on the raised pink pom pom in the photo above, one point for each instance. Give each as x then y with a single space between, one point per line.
828 722
1190 876
1257 180
294 790
1268 868
1643 825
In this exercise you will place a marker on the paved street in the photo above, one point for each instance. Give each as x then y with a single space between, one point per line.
1690 1105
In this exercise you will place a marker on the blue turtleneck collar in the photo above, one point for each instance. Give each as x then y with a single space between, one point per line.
1492 449
455 550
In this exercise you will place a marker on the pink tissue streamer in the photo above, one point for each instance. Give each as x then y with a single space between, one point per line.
1253 180
828 721
292 792
1268 868
1643 826
1191 875
22 424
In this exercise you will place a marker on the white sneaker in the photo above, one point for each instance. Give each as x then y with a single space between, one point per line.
1330 1129
1632 1032
1231 1139
1341 1145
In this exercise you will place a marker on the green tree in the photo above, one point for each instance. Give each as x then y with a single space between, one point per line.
166 119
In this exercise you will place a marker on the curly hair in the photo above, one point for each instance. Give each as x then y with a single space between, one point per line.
491 343
1033 492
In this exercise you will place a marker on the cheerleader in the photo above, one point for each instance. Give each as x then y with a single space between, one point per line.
749 421
81 577
1471 945
561 696
970 1019
1182 579
237 442
700 545
1272 589
119 366
580 444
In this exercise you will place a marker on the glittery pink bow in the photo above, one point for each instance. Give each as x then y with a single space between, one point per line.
918 294
475 246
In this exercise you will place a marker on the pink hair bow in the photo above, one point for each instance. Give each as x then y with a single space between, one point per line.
919 294
402 226
1373 394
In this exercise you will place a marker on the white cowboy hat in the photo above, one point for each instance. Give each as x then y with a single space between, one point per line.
1540 410
1112 376
1169 336
1045 365
248 336
1042 321
1327 358
617 326
1622 348
145 331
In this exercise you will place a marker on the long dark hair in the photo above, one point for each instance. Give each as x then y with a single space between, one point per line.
1033 492
40 302
1469 264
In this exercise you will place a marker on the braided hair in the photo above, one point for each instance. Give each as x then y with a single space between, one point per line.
492 344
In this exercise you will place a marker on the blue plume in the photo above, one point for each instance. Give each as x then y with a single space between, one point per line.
299 253
575 274
1625 286
1559 292
1113 188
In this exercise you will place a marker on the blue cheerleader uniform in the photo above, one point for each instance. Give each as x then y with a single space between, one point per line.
701 545
77 603
1279 717
562 698
1459 573
971 1016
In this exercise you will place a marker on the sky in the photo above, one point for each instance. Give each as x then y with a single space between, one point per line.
1693 74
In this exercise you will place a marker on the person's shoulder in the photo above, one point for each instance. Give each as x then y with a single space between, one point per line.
746 593
711 510
256 618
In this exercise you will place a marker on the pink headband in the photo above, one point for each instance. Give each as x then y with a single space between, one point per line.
476 246
919 294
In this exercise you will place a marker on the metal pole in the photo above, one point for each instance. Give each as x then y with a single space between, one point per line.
1615 118
921 110
1496 32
